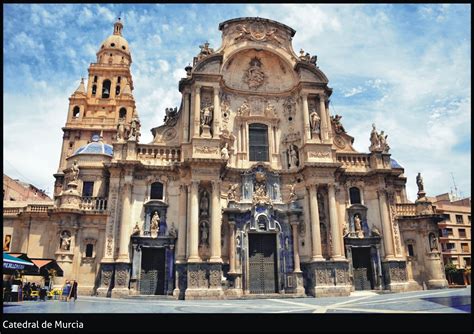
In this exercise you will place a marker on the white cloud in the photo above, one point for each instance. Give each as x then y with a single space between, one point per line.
354 91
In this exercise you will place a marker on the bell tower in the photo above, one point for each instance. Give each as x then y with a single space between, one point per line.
98 106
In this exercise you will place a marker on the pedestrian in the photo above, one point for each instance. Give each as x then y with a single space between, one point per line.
14 293
20 291
73 293
42 294
66 291
8 290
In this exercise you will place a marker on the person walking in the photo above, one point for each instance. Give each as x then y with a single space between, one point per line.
66 291
73 293
14 291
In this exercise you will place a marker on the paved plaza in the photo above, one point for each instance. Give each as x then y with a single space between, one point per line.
431 301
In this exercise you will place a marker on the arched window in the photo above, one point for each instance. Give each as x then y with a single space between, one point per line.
123 113
89 250
354 194
94 89
117 90
156 191
76 111
106 89
95 78
258 142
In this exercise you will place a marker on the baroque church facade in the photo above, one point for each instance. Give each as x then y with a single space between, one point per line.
250 186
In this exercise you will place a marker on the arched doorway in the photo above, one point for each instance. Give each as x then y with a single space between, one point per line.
263 272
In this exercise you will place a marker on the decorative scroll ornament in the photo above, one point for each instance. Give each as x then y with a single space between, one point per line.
257 32
206 149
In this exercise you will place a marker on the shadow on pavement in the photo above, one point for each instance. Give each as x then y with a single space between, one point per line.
462 303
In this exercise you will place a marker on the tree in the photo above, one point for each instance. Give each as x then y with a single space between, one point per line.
450 269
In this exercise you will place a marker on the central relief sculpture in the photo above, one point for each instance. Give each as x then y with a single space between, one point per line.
254 76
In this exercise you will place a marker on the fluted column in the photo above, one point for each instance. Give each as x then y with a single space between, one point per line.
232 247
324 119
217 113
316 254
335 246
124 224
194 228
306 126
197 110
181 249
185 116
216 224
296 254
387 228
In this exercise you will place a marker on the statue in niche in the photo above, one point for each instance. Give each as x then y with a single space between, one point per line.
433 242
155 223
276 189
65 243
419 183
260 195
358 226
204 204
204 233
375 231
270 110
74 171
292 156
254 76
225 152
121 130
206 115
244 109
315 120
231 194
293 197
136 229
246 190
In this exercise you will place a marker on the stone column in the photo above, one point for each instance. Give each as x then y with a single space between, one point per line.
232 247
387 228
216 224
197 110
316 254
217 113
296 254
245 139
335 232
194 224
306 126
125 222
185 116
324 119
181 249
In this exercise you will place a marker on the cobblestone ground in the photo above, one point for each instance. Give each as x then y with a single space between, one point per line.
432 301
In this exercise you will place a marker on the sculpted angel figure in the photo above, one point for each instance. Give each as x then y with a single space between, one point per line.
315 119
206 115
293 197
225 152
74 171
231 194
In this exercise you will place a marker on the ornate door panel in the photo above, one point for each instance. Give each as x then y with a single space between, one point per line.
152 274
262 263
362 268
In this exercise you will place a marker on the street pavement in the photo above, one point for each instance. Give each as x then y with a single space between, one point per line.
430 301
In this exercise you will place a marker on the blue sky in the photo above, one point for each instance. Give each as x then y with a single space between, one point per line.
406 68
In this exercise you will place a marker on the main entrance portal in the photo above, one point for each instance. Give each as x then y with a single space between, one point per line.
363 273
262 263
152 275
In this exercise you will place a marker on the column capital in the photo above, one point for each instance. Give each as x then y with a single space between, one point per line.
215 184
194 184
216 90
231 223
304 95
197 88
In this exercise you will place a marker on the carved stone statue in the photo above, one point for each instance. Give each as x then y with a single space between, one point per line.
171 116
65 244
155 223
206 115
358 226
136 230
270 110
419 183
260 196
345 230
374 139
121 131
204 204
244 109
225 152
74 171
254 76
293 197
205 51
231 194
134 129
336 120
433 242
292 156
172 231
276 189
204 229
375 231
383 142
315 120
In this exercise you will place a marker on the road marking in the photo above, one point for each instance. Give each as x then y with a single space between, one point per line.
370 310
317 308
395 299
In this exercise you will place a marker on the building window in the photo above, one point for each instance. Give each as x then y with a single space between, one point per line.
469 219
95 78
462 233
87 189
465 247
450 246
117 90
467 262
123 113
106 89
89 250
156 191
454 260
94 89
446 218
76 111
118 79
459 219
258 142
449 232
411 251
354 194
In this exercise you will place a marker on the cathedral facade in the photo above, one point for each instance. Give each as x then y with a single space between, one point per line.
249 187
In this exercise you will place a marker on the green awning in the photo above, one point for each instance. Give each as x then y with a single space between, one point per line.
14 263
